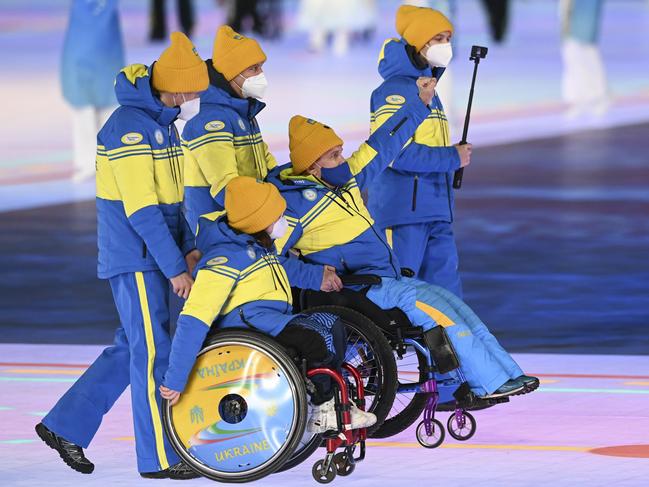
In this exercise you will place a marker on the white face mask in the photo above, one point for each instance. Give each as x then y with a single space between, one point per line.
189 109
439 54
255 86
279 228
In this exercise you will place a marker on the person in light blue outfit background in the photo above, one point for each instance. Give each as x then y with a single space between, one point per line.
93 54
584 84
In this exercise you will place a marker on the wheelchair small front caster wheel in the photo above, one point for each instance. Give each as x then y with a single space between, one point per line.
461 428
320 475
343 464
435 439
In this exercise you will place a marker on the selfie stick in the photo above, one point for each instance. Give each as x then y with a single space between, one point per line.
477 53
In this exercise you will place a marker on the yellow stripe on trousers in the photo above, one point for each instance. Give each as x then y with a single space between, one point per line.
435 314
150 346
388 237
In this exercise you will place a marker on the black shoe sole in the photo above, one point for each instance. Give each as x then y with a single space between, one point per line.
49 441
516 392
532 386
166 475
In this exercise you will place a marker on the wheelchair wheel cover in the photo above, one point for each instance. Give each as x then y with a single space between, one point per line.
307 445
243 411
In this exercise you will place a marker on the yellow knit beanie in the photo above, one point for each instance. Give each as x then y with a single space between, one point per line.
233 53
418 25
252 205
180 69
307 141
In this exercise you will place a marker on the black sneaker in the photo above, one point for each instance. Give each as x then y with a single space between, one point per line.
179 471
71 454
530 382
510 388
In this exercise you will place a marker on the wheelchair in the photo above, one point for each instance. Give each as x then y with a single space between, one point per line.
398 401
244 411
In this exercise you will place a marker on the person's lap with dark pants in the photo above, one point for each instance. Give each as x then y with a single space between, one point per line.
321 340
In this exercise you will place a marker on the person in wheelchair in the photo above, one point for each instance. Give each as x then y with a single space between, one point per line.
329 225
240 282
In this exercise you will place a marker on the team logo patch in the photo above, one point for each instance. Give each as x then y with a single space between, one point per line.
214 125
237 37
395 99
131 138
217 261
158 136
309 194
242 125
251 253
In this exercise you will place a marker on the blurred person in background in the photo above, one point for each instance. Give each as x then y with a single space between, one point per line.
498 17
412 200
93 54
144 246
224 139
185 11
337 19
257 16
584 85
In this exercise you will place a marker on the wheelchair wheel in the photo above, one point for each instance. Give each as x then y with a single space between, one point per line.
434 440
407 407
244 409
461 430
371 354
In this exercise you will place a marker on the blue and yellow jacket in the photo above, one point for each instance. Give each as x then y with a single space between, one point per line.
221 142
140 224
238 283
417 187
333 226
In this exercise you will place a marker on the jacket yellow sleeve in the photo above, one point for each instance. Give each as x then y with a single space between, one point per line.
271 162
209 294
386 141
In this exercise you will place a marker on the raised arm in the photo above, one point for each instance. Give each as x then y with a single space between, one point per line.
387 141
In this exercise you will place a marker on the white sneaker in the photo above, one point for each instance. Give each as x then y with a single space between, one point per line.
361 419
323 418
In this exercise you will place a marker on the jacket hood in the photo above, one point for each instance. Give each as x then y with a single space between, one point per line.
216 238
133 89
214 230
221 93
397 59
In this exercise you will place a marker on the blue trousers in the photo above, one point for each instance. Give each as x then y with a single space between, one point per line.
485 363
429 250
138 357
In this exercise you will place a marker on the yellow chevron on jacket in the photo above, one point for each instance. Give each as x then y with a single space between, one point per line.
265 280
348 216
432 132
213 159
140 176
